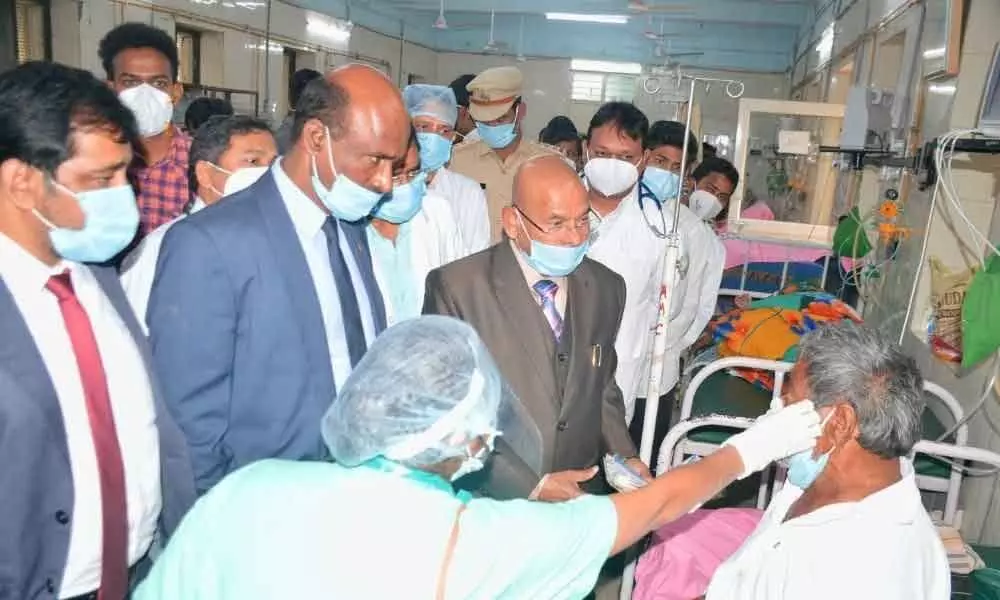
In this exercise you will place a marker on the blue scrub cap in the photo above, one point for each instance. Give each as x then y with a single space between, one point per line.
434 101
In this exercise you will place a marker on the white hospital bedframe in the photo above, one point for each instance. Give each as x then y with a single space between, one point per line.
956 452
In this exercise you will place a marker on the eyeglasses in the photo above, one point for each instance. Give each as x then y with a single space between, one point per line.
405 177
567 226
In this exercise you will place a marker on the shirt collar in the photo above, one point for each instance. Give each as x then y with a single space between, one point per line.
632 199
307 218
530 274
24 273
899 502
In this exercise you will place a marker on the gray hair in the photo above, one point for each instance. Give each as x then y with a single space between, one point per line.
848 362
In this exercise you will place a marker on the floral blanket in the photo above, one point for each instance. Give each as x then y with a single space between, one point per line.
771 328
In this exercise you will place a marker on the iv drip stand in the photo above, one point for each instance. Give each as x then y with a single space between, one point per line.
671 266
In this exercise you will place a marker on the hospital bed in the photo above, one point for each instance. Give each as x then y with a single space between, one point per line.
983 583
713 391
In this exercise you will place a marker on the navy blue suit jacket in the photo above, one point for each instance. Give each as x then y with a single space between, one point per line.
36 484
238 336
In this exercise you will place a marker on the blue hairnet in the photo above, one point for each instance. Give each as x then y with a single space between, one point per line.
434 101
425 376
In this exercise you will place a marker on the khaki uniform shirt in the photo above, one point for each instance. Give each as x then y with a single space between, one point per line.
479 162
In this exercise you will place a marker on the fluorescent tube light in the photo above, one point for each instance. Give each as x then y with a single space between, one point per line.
334 31
585 18
934 53
601 66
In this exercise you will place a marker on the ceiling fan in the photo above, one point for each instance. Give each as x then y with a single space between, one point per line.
441 23
493 45
642 6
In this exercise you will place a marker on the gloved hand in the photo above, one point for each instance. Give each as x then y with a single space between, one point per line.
776 435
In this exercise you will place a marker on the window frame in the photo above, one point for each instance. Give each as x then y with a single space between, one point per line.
604 78
46 8
195 35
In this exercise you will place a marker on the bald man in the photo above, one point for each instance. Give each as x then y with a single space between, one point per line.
262 305
549 316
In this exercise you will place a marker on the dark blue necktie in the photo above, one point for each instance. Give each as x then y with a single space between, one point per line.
354 331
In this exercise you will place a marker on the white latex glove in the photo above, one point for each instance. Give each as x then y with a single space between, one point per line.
776 435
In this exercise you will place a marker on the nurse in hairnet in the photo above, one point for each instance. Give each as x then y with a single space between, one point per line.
421 410
433 111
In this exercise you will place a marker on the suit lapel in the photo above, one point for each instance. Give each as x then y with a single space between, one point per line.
524 316
358 242
580 319
19 356
291 262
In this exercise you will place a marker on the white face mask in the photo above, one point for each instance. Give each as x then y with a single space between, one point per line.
241 179
152 108
610 176
705 205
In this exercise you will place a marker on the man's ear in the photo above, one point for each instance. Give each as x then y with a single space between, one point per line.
509 219
203 173
176 92
21 183
841 427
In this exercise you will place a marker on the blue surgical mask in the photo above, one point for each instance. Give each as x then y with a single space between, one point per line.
435 151
404 202
664 184
498 136
346 200
803 469
111 217
554 261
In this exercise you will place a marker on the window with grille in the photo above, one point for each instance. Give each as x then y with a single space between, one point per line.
189 56
30 17
603 87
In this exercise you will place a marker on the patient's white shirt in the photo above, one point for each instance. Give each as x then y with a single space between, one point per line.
881 548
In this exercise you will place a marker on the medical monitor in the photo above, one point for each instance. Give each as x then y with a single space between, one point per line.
989 112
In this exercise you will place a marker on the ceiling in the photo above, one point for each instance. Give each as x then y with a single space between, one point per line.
750 35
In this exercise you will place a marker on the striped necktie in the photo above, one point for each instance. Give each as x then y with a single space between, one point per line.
546 290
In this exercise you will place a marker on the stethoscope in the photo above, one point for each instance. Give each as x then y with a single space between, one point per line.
647 194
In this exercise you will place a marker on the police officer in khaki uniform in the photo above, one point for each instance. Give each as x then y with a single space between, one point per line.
496 106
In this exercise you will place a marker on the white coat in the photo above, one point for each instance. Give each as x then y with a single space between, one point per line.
434 242
139 267
468 206
624 243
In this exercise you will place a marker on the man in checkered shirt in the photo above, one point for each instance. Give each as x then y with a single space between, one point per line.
141 66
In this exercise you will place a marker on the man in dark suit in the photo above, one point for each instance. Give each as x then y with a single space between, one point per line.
549 316
92 468
262 305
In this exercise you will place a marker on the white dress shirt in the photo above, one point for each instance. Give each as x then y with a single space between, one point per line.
139 267
308 219
468 205
624 242
431 239
131 403
881 548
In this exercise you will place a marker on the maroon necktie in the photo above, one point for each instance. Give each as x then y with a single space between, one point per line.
114 555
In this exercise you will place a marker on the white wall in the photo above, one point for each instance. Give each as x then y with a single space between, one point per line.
233 43
548 83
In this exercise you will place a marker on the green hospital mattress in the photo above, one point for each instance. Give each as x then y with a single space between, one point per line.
723 393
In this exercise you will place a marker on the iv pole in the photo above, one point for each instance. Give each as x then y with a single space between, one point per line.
671 266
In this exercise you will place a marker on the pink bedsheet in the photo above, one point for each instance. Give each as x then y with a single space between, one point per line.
685 554
739 252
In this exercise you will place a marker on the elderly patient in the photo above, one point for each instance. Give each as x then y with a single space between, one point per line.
849 522
422 409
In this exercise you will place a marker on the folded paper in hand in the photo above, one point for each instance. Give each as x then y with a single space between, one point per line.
621 476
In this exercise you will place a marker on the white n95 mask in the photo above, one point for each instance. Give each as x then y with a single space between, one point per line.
241 179
610 176
152 108
705 205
